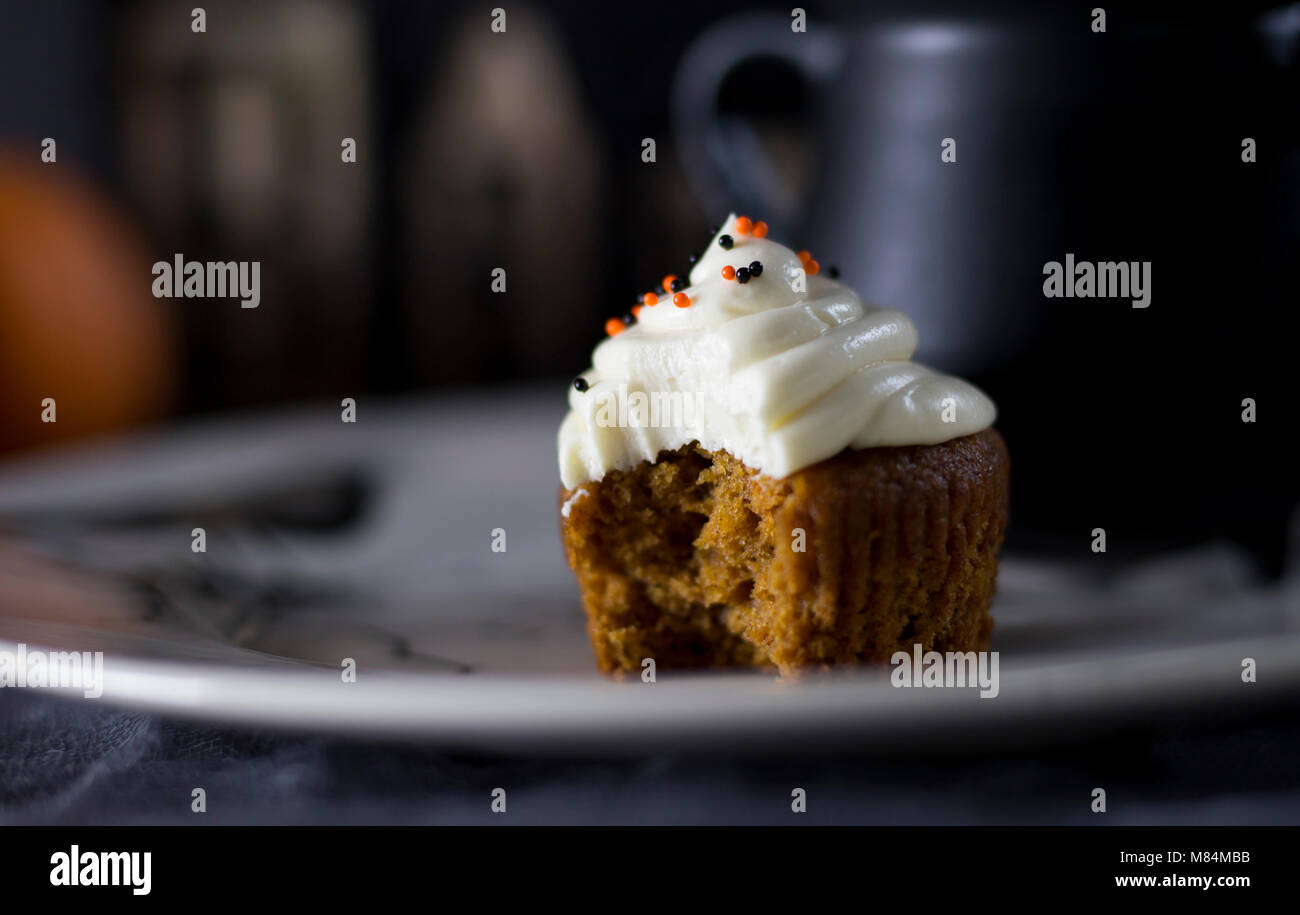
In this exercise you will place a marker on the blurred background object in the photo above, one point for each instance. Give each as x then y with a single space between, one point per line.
521 149
84 347
231 144
504 171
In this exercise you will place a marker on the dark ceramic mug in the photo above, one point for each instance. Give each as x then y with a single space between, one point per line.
1058 130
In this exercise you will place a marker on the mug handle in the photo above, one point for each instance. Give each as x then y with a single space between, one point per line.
724 162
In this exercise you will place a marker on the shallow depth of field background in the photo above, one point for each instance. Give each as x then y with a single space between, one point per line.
478 150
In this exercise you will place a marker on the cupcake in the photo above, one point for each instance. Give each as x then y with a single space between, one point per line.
754 474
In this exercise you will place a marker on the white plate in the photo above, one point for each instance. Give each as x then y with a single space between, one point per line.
461 646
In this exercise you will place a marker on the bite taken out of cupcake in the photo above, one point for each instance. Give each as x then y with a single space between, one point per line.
754 474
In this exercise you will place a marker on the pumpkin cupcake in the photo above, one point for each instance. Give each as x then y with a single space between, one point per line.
754 473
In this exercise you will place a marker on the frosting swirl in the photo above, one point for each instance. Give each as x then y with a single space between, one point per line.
779 378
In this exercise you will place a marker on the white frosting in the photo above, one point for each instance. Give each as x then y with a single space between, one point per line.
780 379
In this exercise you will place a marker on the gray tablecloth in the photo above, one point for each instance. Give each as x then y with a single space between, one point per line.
67 762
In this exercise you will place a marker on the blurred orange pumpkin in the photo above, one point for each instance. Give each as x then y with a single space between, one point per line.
78 322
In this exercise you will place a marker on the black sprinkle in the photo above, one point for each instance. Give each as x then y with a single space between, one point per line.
726 242
833 271
692 259
742 274
629 319
755 269
678 284
580 384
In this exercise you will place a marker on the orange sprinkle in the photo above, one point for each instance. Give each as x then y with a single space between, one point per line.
811 267
728 272
760 229
650 299
636 310
682 300
744 225
615 326
668 282
804 257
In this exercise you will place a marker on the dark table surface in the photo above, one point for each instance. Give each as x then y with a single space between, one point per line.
78 763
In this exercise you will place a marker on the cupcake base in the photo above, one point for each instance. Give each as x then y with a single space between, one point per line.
696 560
